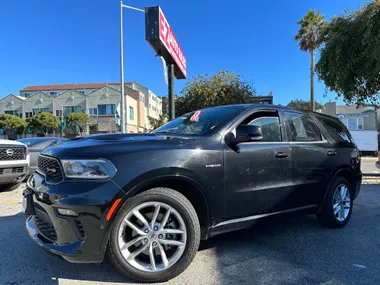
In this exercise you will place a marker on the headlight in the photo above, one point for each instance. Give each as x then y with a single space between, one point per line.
89 169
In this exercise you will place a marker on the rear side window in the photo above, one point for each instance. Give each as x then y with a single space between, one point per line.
336 130
301 128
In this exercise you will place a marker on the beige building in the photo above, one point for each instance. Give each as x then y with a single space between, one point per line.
101 101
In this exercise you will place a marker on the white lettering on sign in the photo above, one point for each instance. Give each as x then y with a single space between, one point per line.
170 42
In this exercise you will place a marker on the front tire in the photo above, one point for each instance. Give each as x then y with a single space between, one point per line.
337 208
155 236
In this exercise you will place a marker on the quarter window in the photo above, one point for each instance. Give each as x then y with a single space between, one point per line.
336 130
301 128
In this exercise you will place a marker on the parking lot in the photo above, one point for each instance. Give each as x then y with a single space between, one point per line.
284 250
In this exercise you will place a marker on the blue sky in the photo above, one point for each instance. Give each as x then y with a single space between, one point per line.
77 41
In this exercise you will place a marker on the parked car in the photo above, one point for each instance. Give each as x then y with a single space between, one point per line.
14 164
148 199
36 146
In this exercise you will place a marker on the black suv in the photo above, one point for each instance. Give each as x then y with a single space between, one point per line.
148 199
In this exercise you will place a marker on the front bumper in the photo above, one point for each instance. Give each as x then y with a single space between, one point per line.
13 173
82 238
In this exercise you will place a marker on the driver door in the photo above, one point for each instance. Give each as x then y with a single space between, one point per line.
257 173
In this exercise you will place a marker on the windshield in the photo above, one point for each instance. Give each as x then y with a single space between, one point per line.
200 123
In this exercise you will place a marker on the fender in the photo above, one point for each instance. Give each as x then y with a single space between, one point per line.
336 174
146 179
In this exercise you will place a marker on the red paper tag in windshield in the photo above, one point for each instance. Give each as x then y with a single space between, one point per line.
195 116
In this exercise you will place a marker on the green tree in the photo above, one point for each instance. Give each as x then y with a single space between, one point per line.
163 118
156 123
165 106
349 62
45 122
303 105
223 88
308 37
11 123
81 121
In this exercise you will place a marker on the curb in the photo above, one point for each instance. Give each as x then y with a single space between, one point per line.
371 174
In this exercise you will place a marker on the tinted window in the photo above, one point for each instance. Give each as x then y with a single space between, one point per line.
202 122
336 130
301 128
270 127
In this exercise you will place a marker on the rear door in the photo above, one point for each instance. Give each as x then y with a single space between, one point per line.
312 158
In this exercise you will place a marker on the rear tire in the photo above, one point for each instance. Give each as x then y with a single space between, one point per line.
154 236
337 208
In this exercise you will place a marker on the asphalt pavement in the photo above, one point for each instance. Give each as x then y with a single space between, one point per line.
283 250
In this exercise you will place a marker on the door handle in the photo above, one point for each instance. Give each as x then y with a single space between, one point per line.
331 153
281 155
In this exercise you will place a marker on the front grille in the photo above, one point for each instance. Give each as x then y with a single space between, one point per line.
46 228
51 167
12 153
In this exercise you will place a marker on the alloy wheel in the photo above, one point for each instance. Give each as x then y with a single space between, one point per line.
152 236
341 202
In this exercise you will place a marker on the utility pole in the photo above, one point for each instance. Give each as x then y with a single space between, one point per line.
122 107
171 92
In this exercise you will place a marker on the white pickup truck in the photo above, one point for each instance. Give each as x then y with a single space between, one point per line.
14 164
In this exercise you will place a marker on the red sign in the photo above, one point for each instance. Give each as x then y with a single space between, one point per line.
161 37
168 39
195 116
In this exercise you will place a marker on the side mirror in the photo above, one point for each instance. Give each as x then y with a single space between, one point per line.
248 133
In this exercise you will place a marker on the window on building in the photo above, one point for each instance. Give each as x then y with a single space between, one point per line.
93 111
301 128
54 93
352 123
28 115
360 123
141 98
131 113
41 110
71 109
106 110
13 112
27 94
81 91
58 113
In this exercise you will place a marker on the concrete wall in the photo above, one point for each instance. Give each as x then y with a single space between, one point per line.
38 101
11 103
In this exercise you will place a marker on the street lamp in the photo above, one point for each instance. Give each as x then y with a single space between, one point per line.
124 100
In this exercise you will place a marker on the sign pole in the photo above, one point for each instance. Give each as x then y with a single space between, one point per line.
171 92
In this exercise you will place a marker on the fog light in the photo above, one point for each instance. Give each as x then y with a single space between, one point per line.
66 212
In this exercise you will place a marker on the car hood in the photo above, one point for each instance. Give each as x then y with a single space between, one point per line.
103 146
10 143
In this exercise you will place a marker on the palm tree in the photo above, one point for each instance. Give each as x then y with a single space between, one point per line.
308 36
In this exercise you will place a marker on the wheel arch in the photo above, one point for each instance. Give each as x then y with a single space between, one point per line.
345 172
